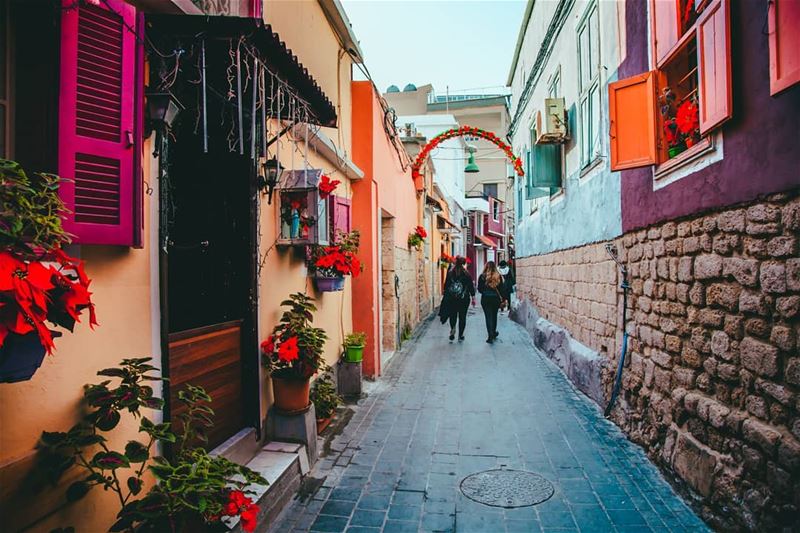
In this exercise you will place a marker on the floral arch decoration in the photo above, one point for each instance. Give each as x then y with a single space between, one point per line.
458 132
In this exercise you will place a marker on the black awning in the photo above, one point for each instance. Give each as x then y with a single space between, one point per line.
272 52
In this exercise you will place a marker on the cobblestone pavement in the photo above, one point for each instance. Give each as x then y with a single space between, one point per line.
444 411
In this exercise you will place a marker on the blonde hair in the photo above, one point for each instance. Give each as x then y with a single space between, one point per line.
491 275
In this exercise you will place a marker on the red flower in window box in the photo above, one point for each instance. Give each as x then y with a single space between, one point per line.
688 118
337 260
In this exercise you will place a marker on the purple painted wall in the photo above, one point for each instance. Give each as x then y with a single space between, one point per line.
761 143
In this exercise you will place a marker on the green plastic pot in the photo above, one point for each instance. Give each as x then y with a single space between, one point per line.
354 354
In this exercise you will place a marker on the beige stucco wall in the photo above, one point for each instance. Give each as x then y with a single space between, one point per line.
51 400
284 271
302 25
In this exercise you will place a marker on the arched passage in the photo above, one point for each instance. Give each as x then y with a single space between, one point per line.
458 132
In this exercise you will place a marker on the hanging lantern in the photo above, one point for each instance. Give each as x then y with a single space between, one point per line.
471 167
162 108
272 170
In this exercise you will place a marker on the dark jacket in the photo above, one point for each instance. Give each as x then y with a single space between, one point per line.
501 292
451 304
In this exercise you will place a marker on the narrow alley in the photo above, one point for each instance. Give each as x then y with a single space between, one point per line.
444 411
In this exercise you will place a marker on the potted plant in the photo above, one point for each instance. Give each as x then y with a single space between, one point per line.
39 282
417 238
330 264
446 261
326 400
354 347
293 353
195 491
687 120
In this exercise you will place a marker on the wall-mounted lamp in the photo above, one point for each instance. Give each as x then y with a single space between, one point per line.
162 108
272 170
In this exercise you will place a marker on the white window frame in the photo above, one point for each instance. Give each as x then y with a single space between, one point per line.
589 99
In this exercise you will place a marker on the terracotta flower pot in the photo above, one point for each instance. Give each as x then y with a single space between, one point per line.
291 395
322 423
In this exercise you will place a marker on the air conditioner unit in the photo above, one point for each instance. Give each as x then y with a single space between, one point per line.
551 126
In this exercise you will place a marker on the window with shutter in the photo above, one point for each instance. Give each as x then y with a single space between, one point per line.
664 27
96 121
784 44
632 127
714 62
340 215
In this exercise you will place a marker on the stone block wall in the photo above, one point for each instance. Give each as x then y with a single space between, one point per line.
713 386
575 289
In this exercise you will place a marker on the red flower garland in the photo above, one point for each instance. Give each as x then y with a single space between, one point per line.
465 130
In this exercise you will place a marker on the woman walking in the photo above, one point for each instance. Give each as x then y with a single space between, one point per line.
458 290
493 296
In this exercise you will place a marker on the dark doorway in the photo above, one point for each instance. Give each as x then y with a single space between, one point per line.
208 233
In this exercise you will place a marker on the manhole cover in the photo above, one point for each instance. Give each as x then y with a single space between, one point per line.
507 488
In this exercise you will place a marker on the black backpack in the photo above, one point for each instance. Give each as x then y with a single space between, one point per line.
456 289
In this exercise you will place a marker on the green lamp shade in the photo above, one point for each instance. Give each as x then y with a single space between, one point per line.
471 167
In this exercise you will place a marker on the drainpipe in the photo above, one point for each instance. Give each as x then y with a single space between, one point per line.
612 251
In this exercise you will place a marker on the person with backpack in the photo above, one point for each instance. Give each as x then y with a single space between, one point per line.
493 297
458 290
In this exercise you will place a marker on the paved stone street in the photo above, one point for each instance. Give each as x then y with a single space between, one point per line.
444 411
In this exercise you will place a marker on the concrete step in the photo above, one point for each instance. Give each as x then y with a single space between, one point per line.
283 465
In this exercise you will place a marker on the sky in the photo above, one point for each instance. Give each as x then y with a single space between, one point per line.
467 45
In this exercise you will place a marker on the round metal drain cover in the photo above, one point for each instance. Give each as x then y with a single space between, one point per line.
507 488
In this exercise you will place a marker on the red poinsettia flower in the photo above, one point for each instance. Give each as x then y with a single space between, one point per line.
288 350
421 232
327 186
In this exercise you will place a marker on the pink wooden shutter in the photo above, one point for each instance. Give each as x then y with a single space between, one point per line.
664 27
714 62
96 113
784 44
340 215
